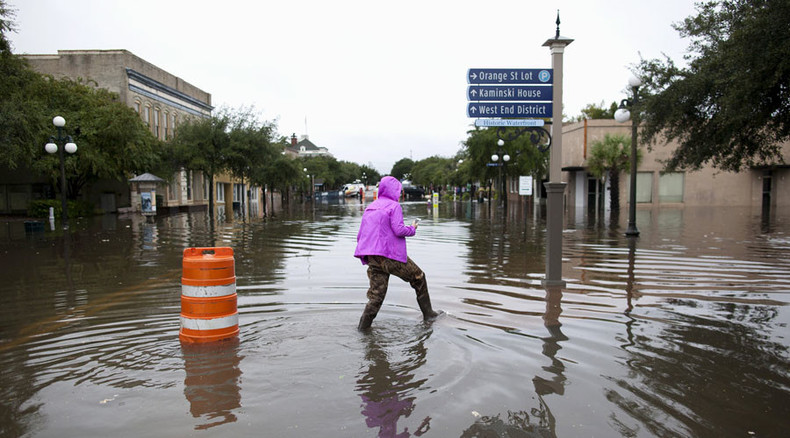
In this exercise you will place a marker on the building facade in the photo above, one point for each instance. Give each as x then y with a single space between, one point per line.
163 101
762 188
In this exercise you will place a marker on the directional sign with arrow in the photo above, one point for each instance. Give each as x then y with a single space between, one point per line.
505 76
529 93
509 109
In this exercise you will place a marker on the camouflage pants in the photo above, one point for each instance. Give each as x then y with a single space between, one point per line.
379 271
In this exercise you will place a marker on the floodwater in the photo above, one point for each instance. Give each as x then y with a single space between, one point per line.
681 332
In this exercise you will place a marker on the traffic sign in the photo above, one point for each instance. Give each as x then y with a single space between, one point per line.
505 76
509 109
529 93
509 122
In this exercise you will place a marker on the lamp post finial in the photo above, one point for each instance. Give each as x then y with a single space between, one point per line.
558 24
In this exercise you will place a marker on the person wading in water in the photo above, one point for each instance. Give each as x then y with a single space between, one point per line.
381 245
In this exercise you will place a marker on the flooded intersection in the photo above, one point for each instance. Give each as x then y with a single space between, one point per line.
681 332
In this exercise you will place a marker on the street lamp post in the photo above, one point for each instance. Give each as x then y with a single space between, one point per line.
312 186
69 147
505 158
622 115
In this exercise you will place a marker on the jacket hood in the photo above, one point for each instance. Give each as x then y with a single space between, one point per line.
390 188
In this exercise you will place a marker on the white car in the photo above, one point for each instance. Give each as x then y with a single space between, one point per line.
352 190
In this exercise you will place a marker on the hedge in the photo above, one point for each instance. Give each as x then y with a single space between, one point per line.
40 208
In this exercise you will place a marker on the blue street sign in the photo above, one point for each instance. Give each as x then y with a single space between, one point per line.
505 76
509 109
509 122
493 164
528 93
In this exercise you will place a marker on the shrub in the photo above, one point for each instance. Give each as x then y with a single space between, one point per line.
40 208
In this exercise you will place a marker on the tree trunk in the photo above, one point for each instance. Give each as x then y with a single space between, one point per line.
271 196
211 196
243 195
264 199
614 189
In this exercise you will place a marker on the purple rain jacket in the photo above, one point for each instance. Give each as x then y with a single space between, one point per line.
382 231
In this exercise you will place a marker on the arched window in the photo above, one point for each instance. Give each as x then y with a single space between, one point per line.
157 113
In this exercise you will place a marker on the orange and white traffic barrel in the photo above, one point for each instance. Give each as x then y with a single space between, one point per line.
208 295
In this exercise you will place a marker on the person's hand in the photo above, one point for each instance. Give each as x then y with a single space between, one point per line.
415 223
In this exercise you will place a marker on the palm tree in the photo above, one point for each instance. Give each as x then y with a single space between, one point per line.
608 158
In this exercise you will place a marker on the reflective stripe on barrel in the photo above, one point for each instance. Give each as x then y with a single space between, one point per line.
208 295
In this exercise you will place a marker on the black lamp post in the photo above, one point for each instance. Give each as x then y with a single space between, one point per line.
69 147
312 186
505 158
622 115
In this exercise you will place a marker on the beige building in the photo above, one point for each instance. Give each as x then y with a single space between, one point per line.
163 100
763 187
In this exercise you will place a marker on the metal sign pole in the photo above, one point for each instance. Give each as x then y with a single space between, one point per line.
555 188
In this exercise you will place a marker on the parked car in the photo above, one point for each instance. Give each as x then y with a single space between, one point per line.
412 192
352 190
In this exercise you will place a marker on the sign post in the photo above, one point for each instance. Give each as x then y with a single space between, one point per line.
555 188
522 97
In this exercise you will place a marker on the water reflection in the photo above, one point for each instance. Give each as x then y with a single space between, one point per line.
672 385
551 346
537 421
213 382
387 383
533 424
630 275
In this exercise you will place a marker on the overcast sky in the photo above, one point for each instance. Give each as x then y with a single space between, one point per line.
371 81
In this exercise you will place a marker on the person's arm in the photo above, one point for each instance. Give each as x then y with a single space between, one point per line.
396 223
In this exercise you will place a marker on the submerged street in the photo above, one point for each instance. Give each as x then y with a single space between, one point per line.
682 331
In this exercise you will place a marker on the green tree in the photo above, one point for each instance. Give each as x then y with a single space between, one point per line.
203 144
433 171
401 168
596 112
461 175
608 158
372 176
525 157
731 106
250 146
332 172
113 142
278 174
23 119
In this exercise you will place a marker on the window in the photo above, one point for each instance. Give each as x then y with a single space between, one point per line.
670 187
644 187
205 187
220 192
253 194
238 192
156 122
165 124
172 191
147 115
138 107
